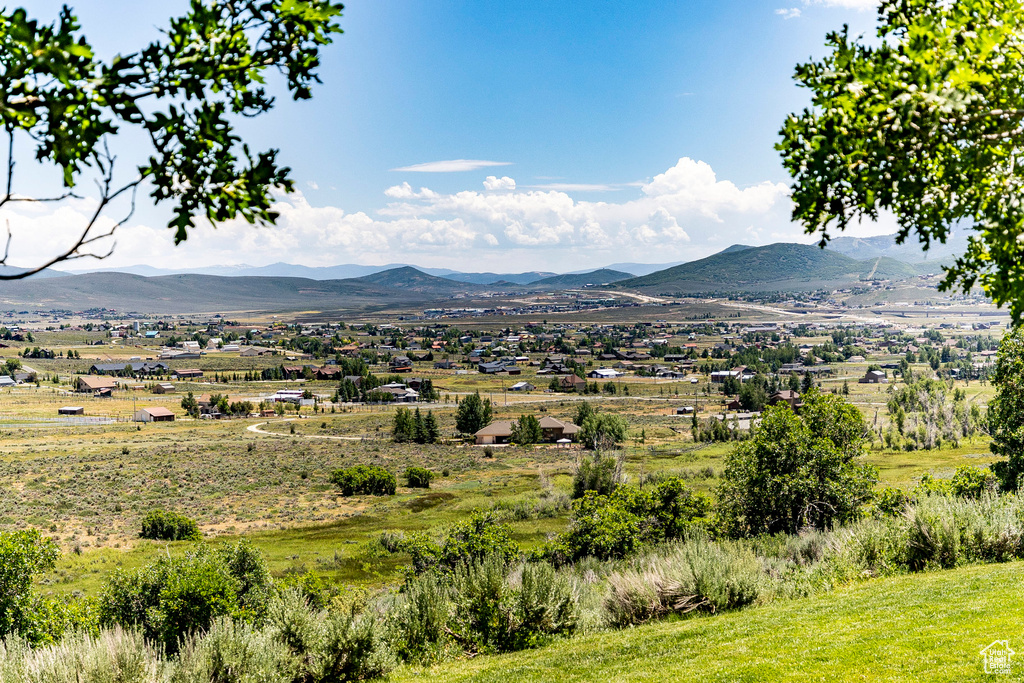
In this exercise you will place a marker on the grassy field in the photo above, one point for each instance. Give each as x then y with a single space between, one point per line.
267 479
924 627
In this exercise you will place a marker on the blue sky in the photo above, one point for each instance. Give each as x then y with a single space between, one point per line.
638 131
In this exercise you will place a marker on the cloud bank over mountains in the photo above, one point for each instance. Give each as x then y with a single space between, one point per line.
682 213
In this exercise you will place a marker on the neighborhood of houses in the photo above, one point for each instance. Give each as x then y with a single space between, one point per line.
391 363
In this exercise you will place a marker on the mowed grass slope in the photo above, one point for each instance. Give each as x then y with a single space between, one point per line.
922 627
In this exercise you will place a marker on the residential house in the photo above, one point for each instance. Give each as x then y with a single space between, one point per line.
572 383
401 392
254 351
154 414
522 386
556 431
71 410
400 364
787 396
874 377
494 433
206 406
328 372
292 371
163 388
188 373
93 384
136 368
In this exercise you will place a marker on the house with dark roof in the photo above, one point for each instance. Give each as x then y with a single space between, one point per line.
874 377
400 364
572 383
188 373
137 368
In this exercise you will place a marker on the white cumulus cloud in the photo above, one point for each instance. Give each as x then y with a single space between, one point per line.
493 183
684 212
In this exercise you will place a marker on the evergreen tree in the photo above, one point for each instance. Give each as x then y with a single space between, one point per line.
433 429
404 429
807 384
526 431
794 382
419 428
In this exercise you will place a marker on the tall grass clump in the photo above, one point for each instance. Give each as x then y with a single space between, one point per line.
695 575
114 655
483 607
949 531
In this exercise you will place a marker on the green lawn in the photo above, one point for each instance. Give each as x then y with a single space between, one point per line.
924 627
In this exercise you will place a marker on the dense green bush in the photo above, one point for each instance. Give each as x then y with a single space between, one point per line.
23 554
473 414
526 431
494 613
420 619
328 646
602 431
111 655
365 480
163 525
418 477
481 536
176 596
617 525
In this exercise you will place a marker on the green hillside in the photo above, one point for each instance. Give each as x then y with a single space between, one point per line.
602 276
410 279
922 627
781 266
193 293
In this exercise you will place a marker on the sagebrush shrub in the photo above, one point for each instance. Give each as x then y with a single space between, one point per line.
695 575
113 655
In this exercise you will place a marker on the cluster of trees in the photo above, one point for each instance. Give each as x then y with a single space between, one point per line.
797 471
526 431
473 414
36 352
599 431
713 430
927 413
367 389
412 426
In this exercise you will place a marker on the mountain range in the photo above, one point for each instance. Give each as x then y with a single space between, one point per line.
739 268
776 267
